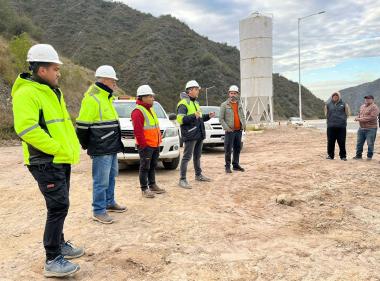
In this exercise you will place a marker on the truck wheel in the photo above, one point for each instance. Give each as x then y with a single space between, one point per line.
172 165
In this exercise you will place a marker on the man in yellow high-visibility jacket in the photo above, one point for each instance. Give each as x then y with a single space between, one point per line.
98 130
50 146
191 120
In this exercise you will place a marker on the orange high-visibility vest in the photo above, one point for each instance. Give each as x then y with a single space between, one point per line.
152 131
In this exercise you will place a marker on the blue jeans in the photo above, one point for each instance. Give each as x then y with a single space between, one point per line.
368 135
104 171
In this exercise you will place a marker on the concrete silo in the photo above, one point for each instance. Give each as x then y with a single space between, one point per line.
256 67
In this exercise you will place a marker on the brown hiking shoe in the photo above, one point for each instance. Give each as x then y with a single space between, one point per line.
103 218
154 188
147 193
116 208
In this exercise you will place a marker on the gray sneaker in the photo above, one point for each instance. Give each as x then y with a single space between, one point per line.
184 184
202 178
59 267
69 251
147 193
103 218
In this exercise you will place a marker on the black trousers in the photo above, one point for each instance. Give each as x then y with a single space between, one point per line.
54 183
148 163
232 141
336 135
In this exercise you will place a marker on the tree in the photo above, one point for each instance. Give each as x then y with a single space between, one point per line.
19 46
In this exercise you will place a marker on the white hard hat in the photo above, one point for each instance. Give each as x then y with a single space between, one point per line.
144 90
106 71
191 84
233 88
43 53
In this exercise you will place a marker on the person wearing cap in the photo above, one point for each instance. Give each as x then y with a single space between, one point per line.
50 146
336 112
191 120
148 139
367 119
98 130
233 122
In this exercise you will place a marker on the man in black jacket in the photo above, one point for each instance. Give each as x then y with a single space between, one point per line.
98 131
191 119
337 113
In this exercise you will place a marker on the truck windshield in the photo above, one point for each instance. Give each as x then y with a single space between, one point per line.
124 109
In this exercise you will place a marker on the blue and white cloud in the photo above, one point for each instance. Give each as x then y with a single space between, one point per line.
349 31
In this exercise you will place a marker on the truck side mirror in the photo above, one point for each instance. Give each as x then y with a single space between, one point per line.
172 116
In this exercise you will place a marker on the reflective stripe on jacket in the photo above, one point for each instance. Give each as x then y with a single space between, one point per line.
98 127
192 128
152 131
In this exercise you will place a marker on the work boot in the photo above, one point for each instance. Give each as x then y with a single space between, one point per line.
357 157
343 159
202 178
103 218
147 193
59 267
329 158
238 168
369 158
184 184
117 208
154 188
228 170
69 251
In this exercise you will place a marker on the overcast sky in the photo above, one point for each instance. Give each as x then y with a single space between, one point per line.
340 48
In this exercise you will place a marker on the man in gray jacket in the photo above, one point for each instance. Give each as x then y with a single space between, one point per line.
336 112
233 122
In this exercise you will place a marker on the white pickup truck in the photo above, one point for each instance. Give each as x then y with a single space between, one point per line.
169 149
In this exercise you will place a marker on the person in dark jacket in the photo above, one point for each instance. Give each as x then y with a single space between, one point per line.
337 112
98 131
193 132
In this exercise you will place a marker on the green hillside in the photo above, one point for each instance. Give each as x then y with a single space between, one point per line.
162 52
354 96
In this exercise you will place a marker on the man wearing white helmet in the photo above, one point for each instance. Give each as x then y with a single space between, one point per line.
50 146
191 120
98 130
233 122
148 139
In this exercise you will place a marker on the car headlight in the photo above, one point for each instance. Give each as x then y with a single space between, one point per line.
208 126
171 132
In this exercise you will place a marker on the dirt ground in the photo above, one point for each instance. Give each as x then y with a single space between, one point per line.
229 229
